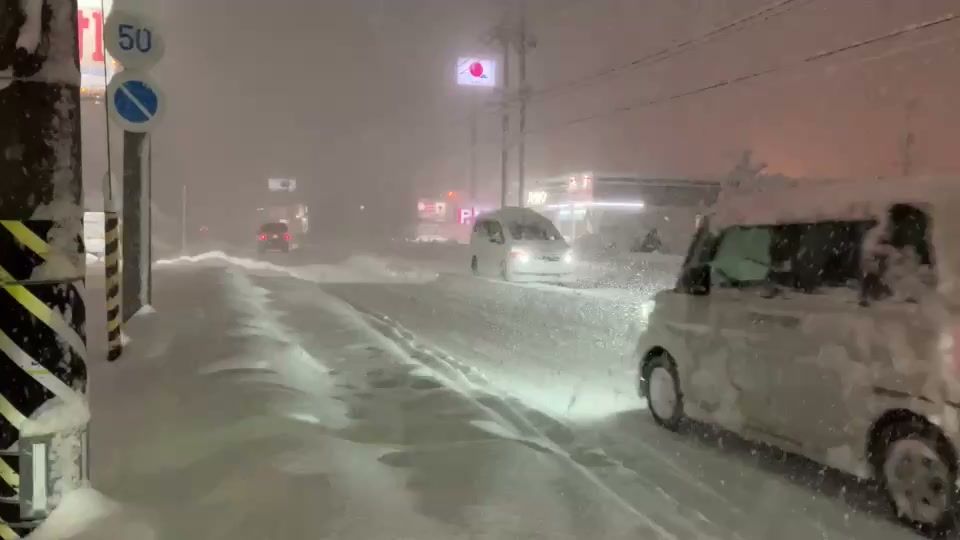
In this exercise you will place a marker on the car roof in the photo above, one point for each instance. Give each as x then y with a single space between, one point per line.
808 201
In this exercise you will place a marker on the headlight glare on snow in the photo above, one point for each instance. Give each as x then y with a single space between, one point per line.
568 257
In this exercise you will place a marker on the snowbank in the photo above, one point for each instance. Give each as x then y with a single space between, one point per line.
57 416
356 269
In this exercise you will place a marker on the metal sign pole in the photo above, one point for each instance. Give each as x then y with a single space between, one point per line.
132 223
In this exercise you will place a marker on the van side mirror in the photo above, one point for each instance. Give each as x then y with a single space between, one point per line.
695 280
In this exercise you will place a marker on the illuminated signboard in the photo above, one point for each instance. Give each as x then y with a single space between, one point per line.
536 198
96 66
473 71
431 210
465 215
282 184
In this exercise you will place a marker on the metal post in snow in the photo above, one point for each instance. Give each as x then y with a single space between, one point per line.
42 260
135 223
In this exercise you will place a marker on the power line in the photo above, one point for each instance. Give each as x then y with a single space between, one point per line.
777 8
725 83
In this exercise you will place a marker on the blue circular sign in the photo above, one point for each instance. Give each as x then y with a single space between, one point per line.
135 102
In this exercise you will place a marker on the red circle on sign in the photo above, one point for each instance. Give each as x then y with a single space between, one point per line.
476 69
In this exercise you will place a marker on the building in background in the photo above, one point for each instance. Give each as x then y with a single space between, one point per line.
622 212
446 218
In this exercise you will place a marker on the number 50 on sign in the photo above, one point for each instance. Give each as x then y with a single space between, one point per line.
133 40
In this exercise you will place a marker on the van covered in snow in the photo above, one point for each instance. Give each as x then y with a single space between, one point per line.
822 318
518 244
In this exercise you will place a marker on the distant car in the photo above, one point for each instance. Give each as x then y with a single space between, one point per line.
518 244
274 237
824 319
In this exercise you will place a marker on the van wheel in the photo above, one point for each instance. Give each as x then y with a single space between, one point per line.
664 398
473 265
919 477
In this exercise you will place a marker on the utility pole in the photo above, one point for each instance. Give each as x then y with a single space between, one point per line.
42 263
504 37
473 154
522 91
183 221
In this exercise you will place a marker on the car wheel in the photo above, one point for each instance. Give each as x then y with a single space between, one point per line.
664 398
473 265
919 476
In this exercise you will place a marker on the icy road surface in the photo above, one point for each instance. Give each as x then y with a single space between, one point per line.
266 403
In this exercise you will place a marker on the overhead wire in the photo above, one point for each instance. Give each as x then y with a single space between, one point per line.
739 79
780 7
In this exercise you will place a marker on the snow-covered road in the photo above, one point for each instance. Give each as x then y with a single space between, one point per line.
314 402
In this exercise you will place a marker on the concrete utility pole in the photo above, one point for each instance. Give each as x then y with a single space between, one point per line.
42 265
473 154
504 38
522 44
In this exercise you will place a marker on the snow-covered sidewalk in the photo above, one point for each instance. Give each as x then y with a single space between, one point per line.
222 421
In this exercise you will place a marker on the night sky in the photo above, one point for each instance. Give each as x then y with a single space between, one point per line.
357 98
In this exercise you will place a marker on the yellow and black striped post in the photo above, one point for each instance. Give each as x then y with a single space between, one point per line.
112 273
42 265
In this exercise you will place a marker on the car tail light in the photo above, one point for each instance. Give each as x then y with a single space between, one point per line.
262 237
287 237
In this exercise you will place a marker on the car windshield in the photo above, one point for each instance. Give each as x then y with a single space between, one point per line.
479 269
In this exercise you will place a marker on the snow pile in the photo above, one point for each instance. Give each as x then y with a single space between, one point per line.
30 31
76 512
56 416
356 269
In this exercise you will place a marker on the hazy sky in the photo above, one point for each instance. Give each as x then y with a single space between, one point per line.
356 98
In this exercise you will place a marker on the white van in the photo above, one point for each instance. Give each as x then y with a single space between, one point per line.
518 244
822 319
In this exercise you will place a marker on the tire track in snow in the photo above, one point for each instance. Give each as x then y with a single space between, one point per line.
464 379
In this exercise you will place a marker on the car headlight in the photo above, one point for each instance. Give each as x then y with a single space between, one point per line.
568 257
520 255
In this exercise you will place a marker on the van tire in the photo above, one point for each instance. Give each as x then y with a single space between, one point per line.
919 440
664 398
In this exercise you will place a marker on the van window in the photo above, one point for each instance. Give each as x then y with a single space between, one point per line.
480 227
542 230
495 231
809 256
742 258
908 232
902 265
799 256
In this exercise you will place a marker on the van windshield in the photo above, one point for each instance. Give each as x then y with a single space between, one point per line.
543 230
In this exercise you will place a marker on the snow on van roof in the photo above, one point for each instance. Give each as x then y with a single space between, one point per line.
514 214
805 201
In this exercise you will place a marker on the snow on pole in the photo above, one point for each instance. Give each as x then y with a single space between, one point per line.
43 412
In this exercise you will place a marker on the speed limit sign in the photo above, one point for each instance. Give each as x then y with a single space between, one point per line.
133 40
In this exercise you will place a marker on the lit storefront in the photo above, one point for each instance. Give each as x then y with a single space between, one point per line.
619 211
